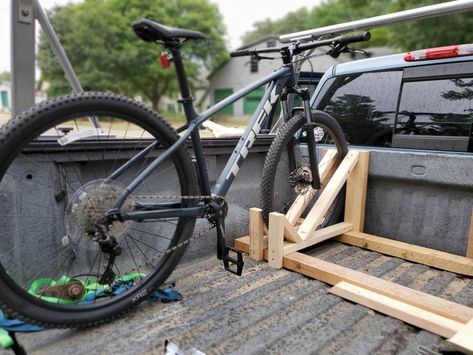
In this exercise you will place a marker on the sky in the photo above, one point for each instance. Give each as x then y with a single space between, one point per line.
238 17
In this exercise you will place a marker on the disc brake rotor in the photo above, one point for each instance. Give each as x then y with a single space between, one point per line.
301 179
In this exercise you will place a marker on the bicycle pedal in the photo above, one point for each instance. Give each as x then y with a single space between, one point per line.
233 261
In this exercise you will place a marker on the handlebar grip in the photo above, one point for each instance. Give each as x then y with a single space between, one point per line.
354 38
241 53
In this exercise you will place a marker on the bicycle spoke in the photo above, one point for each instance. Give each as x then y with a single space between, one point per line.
132 256
141 251
54 230
149 233
143 243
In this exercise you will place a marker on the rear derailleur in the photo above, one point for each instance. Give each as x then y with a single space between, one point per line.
232 258
110 247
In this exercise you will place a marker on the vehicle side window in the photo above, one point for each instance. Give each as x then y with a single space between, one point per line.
364 105
442 107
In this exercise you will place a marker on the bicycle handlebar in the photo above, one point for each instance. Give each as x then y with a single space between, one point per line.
246 52
298 48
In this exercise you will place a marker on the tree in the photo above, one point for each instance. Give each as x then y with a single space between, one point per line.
107 55
5 76
439 31
292 22
327 13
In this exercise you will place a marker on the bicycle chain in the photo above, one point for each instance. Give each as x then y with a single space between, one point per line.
187 241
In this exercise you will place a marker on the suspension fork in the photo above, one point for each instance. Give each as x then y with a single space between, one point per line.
314 165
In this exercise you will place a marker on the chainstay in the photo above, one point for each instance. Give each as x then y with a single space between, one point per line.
170 197
187 241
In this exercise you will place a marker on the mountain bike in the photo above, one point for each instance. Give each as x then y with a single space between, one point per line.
94 218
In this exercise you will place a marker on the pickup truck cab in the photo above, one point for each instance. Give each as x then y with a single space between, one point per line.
420 100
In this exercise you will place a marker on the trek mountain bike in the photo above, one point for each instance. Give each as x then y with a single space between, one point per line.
94 218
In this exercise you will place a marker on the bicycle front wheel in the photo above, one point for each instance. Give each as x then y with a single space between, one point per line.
286 171
62 264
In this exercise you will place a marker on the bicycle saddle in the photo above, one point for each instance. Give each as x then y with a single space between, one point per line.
151 31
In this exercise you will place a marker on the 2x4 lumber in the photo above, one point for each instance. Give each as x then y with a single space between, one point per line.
439 259
276 239
256 232
355 198
463 340
318 237
326 198
469 246
407 313
290 233
332 274
301 202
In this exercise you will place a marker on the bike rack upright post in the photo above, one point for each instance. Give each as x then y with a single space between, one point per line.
22 55
24 13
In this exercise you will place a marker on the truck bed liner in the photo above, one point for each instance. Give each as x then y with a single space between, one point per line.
266 311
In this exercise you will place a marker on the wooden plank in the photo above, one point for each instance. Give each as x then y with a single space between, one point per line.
243 245
407 313
439 259
469 246
256 232
318 236
333 274
290 233
326 198
301 202
355 197
276 239
463 340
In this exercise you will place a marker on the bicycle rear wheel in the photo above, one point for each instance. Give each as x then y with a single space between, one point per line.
55 268
286 170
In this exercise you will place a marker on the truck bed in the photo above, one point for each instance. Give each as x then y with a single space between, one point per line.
266 311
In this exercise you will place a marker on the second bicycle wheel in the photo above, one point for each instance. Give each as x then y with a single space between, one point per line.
286 171
62 263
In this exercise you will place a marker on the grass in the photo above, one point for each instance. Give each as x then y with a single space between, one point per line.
175 119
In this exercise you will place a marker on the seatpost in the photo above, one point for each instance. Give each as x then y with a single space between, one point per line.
186 98
187 102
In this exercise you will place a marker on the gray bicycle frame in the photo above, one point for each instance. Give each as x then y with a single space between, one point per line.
276 80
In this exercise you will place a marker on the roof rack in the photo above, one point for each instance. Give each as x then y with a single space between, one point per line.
383 20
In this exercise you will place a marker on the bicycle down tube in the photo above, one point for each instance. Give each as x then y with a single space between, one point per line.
277 80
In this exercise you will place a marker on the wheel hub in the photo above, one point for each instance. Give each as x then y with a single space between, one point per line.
85 212
301 179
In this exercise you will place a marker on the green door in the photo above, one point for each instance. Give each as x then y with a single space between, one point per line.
251 101
219 95
4 98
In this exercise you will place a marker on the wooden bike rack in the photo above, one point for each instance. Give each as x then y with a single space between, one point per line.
287 234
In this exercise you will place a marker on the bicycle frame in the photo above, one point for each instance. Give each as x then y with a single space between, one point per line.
276 80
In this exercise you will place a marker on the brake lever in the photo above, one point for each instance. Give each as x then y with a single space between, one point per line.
341 48
258 57
336 50
359 51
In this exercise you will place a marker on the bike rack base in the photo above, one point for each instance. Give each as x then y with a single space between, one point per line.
287 234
